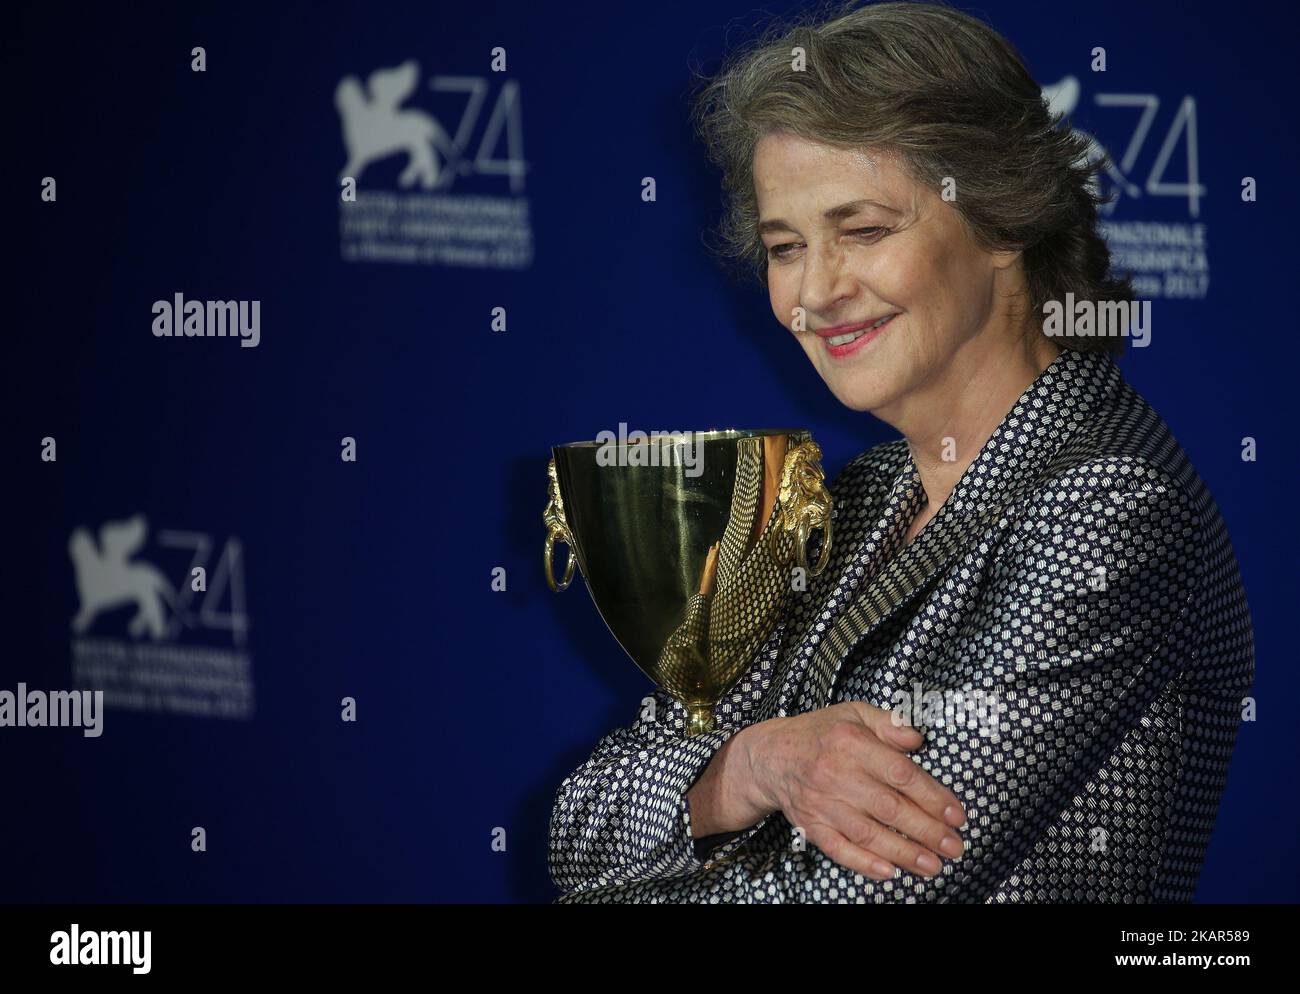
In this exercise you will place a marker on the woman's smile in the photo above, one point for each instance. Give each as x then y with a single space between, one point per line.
847 340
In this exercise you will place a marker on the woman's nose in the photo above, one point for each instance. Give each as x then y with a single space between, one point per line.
825 281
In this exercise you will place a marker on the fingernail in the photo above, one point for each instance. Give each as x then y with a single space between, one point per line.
884 869
951 846
930 864
953 816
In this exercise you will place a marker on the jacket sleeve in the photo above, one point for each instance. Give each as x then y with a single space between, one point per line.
1077 628
622 815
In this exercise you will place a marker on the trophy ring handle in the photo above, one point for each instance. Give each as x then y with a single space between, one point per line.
805 503
557 530
824 557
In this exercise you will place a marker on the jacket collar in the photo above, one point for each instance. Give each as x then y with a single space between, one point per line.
1023 445
1011 463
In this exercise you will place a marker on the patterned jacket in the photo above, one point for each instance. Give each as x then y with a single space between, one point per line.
1081 576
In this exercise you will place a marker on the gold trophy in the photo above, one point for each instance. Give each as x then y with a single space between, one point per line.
688 542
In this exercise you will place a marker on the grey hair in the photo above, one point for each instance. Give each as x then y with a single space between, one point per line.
950 97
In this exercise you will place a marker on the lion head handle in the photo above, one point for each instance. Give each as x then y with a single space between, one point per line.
805 503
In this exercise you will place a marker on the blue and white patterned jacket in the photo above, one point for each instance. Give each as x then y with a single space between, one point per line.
1079 573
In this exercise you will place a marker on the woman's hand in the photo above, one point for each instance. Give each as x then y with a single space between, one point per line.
841 774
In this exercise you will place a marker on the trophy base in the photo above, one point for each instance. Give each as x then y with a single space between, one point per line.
699 719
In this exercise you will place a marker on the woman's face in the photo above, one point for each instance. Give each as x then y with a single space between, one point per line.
852 238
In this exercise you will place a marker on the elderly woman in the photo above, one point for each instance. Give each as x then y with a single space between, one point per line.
1035 542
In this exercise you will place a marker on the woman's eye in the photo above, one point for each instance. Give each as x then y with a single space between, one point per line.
781 251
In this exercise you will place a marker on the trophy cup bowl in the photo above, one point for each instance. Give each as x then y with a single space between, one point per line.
689 542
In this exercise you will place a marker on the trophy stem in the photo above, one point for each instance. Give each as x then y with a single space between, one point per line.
699 719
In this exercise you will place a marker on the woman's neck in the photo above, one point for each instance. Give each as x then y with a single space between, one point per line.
949 421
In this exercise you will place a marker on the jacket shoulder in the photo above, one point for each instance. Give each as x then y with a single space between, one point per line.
1127 444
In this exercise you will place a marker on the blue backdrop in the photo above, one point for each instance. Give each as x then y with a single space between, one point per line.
373 578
